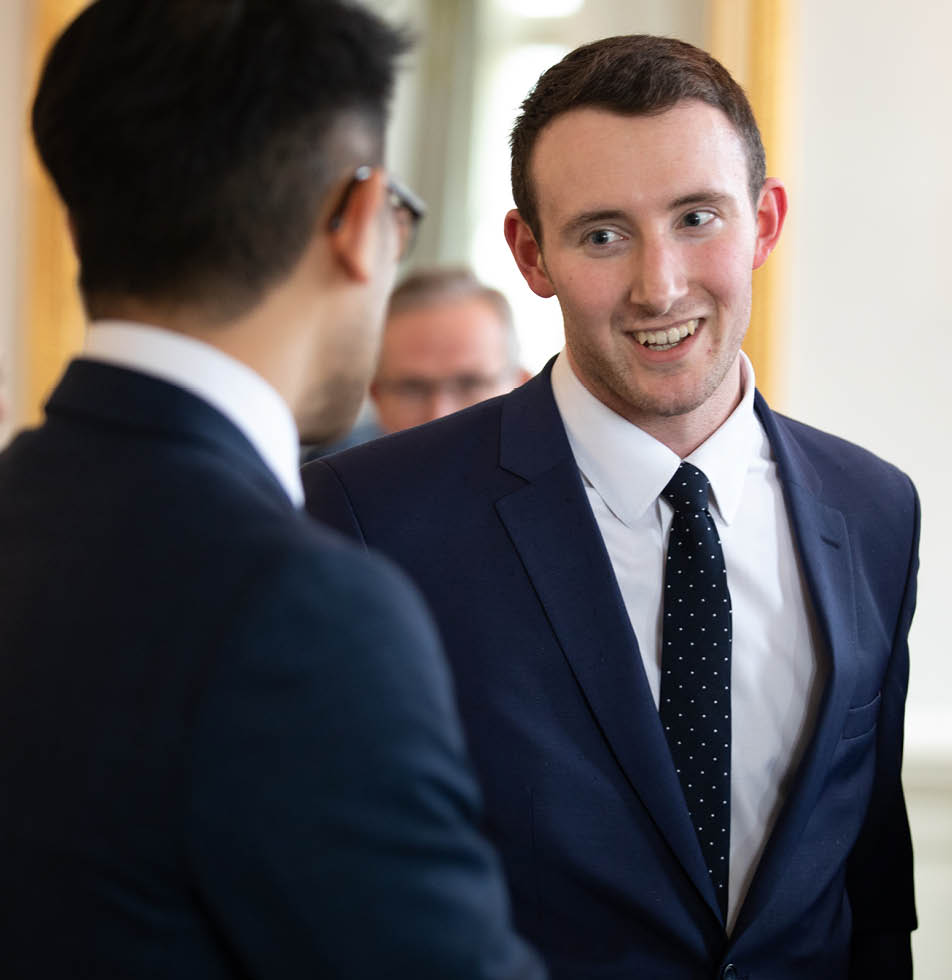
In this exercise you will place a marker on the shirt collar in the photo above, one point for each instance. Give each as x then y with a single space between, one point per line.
728 454
238 392
630 468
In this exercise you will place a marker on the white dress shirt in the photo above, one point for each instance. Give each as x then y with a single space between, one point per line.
777 671
239 393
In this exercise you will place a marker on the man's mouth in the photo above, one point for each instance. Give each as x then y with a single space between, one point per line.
666 339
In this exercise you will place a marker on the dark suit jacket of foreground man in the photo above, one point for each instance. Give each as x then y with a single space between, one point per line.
227 740
487 512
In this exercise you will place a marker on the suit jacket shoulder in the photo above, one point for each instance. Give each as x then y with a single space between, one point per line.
877 500
451 464
852 474
229 734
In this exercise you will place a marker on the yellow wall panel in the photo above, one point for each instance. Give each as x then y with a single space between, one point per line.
753 39
52 320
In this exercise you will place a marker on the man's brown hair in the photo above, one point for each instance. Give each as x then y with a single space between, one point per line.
635 74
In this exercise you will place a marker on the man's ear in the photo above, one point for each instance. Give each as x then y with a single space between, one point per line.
353 235
771 212
525 250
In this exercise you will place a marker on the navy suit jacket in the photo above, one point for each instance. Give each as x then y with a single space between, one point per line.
486 511
228 743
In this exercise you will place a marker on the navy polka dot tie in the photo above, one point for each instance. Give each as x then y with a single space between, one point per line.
695 701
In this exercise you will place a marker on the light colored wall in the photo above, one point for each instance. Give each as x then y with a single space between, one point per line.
12 45
402 146
871 347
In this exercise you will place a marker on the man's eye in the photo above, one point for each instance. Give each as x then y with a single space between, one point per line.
695 219
603 236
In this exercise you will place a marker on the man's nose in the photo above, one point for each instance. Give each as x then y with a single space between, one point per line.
659 279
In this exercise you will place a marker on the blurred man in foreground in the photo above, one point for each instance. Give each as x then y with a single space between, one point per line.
449 342
228 744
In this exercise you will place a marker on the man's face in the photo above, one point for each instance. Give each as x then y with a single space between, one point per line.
343 361
438 359
345 350
649 238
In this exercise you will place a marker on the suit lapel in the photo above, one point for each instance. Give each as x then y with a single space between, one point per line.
822 541
555 533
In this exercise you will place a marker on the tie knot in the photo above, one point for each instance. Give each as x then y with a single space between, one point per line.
687 489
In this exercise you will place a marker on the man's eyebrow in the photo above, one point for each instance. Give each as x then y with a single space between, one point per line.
694 199
591 217
700 197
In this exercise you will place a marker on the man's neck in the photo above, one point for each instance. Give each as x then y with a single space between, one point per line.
262 338
682 434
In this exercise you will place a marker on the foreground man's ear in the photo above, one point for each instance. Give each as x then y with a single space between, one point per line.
353 234
771 212
525 250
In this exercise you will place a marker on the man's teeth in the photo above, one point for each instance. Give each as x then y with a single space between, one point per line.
666 339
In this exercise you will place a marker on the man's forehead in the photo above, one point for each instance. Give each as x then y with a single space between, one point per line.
464 307
469 323
579 122
588 141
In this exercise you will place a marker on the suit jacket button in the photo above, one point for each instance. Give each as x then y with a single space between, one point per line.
729 972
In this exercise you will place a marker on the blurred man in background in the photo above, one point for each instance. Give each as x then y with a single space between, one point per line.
449 342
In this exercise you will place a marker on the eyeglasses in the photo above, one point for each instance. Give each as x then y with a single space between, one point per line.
463 388
408 207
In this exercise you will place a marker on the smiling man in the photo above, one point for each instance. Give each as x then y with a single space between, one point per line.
652 261
678 621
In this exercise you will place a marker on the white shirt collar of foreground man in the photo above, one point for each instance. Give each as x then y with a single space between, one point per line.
239 393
